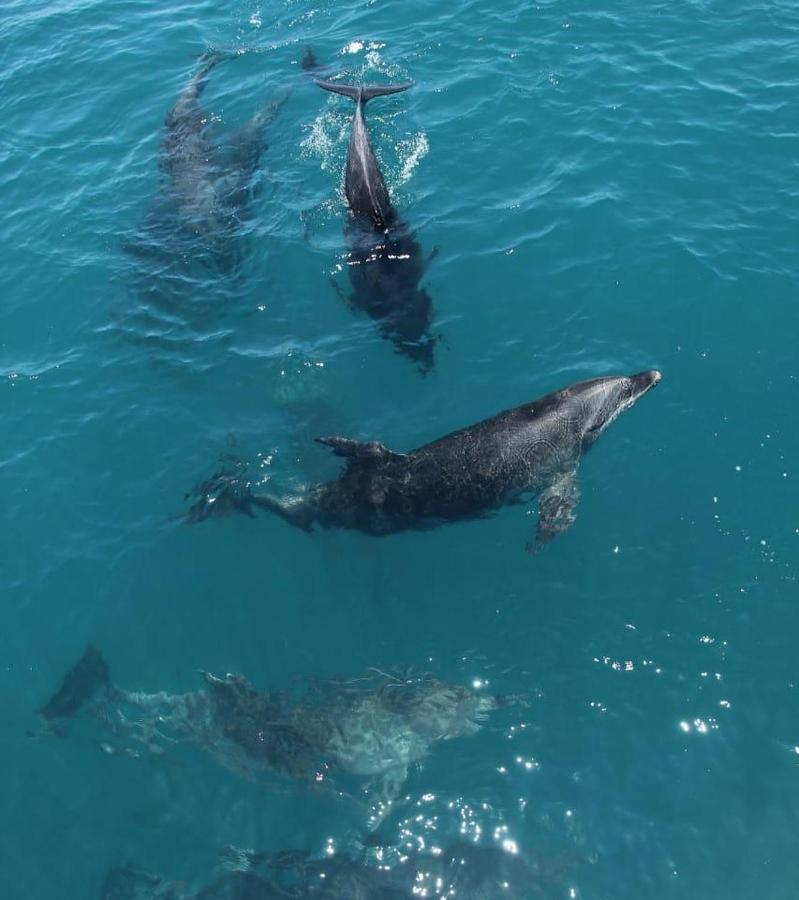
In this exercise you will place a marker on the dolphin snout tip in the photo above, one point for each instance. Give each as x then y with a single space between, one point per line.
649 377
645 381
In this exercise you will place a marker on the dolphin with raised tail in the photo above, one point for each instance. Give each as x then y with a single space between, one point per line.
386 264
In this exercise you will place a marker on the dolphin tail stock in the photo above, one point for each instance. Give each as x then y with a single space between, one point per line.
208 59
297 511
228 491
360 93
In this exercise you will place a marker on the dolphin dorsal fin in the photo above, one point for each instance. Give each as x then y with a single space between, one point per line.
359 450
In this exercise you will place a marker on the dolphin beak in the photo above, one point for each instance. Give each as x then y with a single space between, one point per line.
645 381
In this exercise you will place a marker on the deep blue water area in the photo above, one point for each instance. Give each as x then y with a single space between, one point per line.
610 187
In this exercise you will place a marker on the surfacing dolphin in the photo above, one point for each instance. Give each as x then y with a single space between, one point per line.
371 729
531 450
199 216
386 263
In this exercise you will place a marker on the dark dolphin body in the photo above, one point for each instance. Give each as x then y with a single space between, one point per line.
461 870
533 449
194 227
385 262
129 883
366 731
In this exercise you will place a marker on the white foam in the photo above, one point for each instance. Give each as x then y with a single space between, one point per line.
328 130
358 46
411 151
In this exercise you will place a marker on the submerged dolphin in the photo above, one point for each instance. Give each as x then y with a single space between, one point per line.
371 729
385 261
461 869
199 216
533 449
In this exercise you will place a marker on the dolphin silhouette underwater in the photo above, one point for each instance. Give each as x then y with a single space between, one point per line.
460 869
385 261
371 729
198 218
534 449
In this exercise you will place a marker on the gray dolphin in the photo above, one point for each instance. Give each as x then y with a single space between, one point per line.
199 216
385 261
533 449
370 729
127 882
460 869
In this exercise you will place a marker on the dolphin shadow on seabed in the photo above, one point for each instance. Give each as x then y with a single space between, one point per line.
463 870
533 450
385 261
193 235
366 731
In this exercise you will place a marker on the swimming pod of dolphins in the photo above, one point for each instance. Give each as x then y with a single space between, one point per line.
365 733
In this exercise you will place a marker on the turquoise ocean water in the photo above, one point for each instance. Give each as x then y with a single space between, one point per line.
611 187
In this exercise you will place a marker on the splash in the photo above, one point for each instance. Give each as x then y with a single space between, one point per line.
410 152
328 131
358 46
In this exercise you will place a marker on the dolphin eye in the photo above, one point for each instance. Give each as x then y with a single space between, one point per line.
594 430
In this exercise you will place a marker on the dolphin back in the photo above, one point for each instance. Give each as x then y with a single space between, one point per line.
360 93
364 185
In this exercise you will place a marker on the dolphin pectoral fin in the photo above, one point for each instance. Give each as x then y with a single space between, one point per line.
363 451
269 113
242 151
556 509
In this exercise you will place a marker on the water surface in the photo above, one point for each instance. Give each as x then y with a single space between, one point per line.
610 188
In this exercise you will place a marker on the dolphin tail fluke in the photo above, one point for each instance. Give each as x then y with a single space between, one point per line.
359 93
80 684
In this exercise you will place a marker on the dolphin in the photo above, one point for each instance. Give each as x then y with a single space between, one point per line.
370 729
385 261
459 869
209 186
534 449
